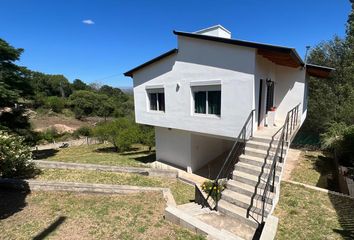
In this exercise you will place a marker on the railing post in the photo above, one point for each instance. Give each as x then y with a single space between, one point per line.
291 122
252 126
275 166
282 149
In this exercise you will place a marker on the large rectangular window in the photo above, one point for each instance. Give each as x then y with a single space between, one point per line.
207 100
157 99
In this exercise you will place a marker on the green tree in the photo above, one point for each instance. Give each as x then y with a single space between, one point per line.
55 103
331 101
122 133
147 136
79 85
13 79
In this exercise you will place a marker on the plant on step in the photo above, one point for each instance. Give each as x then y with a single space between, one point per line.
214 189
15 157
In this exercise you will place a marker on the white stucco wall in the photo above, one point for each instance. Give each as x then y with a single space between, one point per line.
199 60
173 146
205 149
186 149
289 89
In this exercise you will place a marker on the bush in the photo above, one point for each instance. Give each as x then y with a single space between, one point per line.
122 133
339 138
147 136
49 134
55 103
15 157
83 131
215 191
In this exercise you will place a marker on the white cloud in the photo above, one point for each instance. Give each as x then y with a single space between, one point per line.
88 22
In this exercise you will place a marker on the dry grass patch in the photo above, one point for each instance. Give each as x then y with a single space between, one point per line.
313 168
83 216
183 193
308 214
103 154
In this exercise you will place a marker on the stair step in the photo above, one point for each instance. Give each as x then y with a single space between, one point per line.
264 139
257 161
248 190
244 201
236 212
259 152
254 170
252 179
262 145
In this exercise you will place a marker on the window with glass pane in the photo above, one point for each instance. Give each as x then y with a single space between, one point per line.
161 101
200 102
214 102
153 101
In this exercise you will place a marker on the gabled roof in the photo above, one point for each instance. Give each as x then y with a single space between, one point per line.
130 72
278 54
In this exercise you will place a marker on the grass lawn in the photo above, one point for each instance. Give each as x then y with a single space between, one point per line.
101 154
58 215
309 214
182 192
313 168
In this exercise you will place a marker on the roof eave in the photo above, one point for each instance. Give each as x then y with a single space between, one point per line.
166 54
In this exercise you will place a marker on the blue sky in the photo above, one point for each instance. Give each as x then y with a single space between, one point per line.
130 32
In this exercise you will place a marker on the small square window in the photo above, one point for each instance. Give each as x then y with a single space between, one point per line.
157 100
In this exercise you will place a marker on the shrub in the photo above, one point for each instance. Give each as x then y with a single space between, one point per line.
83 131
55 103
50 134
147 136
122 133
15 157
340 139
214 191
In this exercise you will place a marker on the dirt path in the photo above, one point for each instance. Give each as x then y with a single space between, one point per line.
292 160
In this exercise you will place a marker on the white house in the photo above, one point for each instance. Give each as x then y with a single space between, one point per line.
199 95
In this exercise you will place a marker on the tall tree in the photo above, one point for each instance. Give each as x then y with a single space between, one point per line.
332 100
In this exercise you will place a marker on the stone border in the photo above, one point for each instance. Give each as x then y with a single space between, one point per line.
35 185
319 189
108 168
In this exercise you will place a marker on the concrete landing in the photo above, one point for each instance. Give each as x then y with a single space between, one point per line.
214 224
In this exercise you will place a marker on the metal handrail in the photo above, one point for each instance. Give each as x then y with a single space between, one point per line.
227 163
286 130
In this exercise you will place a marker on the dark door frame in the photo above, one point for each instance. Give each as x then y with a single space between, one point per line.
260 101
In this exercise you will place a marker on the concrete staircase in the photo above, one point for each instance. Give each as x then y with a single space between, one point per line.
248 182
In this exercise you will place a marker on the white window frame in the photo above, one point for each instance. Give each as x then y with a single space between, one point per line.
151 90
205 88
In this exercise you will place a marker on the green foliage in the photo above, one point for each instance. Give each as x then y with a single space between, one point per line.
13 78
340 139
57 104
78 85
331 101
214 190
49 135
83 131
122 133
147 136
15 157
